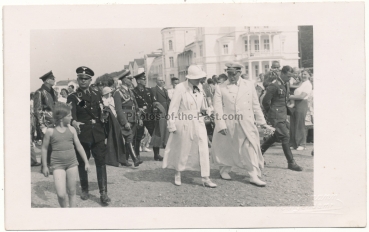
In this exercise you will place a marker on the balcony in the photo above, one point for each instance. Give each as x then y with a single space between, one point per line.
264 53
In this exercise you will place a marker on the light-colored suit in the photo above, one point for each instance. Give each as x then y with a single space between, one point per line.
187 148
237 109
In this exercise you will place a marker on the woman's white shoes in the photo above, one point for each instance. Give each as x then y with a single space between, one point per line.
256 181
177 179
300 148
208 183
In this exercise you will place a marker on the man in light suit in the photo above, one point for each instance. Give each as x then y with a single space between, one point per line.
236 137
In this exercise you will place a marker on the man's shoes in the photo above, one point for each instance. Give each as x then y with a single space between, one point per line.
224 175
35 164
158 158
104 198
145 149
85 195
127 164
294 167
177 179
256 181
300 148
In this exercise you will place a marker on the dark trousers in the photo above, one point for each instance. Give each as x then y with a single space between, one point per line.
98 150
282 133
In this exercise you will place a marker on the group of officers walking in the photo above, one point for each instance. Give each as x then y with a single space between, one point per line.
235 143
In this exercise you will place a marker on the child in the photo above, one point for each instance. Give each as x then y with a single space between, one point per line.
63 139
108 101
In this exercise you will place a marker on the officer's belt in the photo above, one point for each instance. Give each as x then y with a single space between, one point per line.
128 107
91 122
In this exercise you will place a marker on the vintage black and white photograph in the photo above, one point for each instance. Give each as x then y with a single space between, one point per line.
160 116
183 119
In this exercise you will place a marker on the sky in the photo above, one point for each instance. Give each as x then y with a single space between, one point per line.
102 50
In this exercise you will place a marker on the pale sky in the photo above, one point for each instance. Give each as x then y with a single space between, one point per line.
102 50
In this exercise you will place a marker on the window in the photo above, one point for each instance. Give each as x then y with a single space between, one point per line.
266 68
194 55
171 62
170 45
171 76
266 44
257 70
200 50
246 46
225 49
256 45
247 70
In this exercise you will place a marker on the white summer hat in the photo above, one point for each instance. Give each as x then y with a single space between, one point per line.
195 72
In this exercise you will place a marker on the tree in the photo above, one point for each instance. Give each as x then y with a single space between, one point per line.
306 46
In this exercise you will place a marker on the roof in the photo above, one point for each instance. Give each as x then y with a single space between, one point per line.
126 66
130 64
64 82
139 62
153 55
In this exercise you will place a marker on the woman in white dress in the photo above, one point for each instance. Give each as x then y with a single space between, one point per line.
187 146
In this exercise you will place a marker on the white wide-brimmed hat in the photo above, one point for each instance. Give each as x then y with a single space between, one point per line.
106 90
195 72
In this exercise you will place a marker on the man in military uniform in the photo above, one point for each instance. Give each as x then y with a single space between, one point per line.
275 105
273 73
128 115
86 118
43 104
146 102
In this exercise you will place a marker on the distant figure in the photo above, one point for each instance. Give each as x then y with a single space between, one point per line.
63 95
70 89
215 79
222 78
245 76
174 82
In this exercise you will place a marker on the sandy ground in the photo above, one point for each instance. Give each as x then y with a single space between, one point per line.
152 186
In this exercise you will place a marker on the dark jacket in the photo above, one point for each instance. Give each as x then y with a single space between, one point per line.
90 132
275 102
145 101
43 104
161 96
115 144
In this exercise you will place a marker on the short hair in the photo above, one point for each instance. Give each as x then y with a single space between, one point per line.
60 111
72 86
32 94
214 76
223 76
287 69
174 79
66 91
210 81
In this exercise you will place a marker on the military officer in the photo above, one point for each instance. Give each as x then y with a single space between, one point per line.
146 102
43 104
128 115
275 106
86 118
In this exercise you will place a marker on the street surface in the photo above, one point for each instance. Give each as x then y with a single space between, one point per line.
152 186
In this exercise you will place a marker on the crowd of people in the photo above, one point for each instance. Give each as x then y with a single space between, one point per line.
113 120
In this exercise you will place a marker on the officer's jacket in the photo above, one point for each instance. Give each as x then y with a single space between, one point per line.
86 108
145 100
125 106
43 104
275 101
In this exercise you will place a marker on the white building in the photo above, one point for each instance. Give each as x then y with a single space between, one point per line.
174 40
254 47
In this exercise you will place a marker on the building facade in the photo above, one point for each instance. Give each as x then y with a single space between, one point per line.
254 47
174 40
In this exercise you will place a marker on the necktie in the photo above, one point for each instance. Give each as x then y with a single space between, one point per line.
196 89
